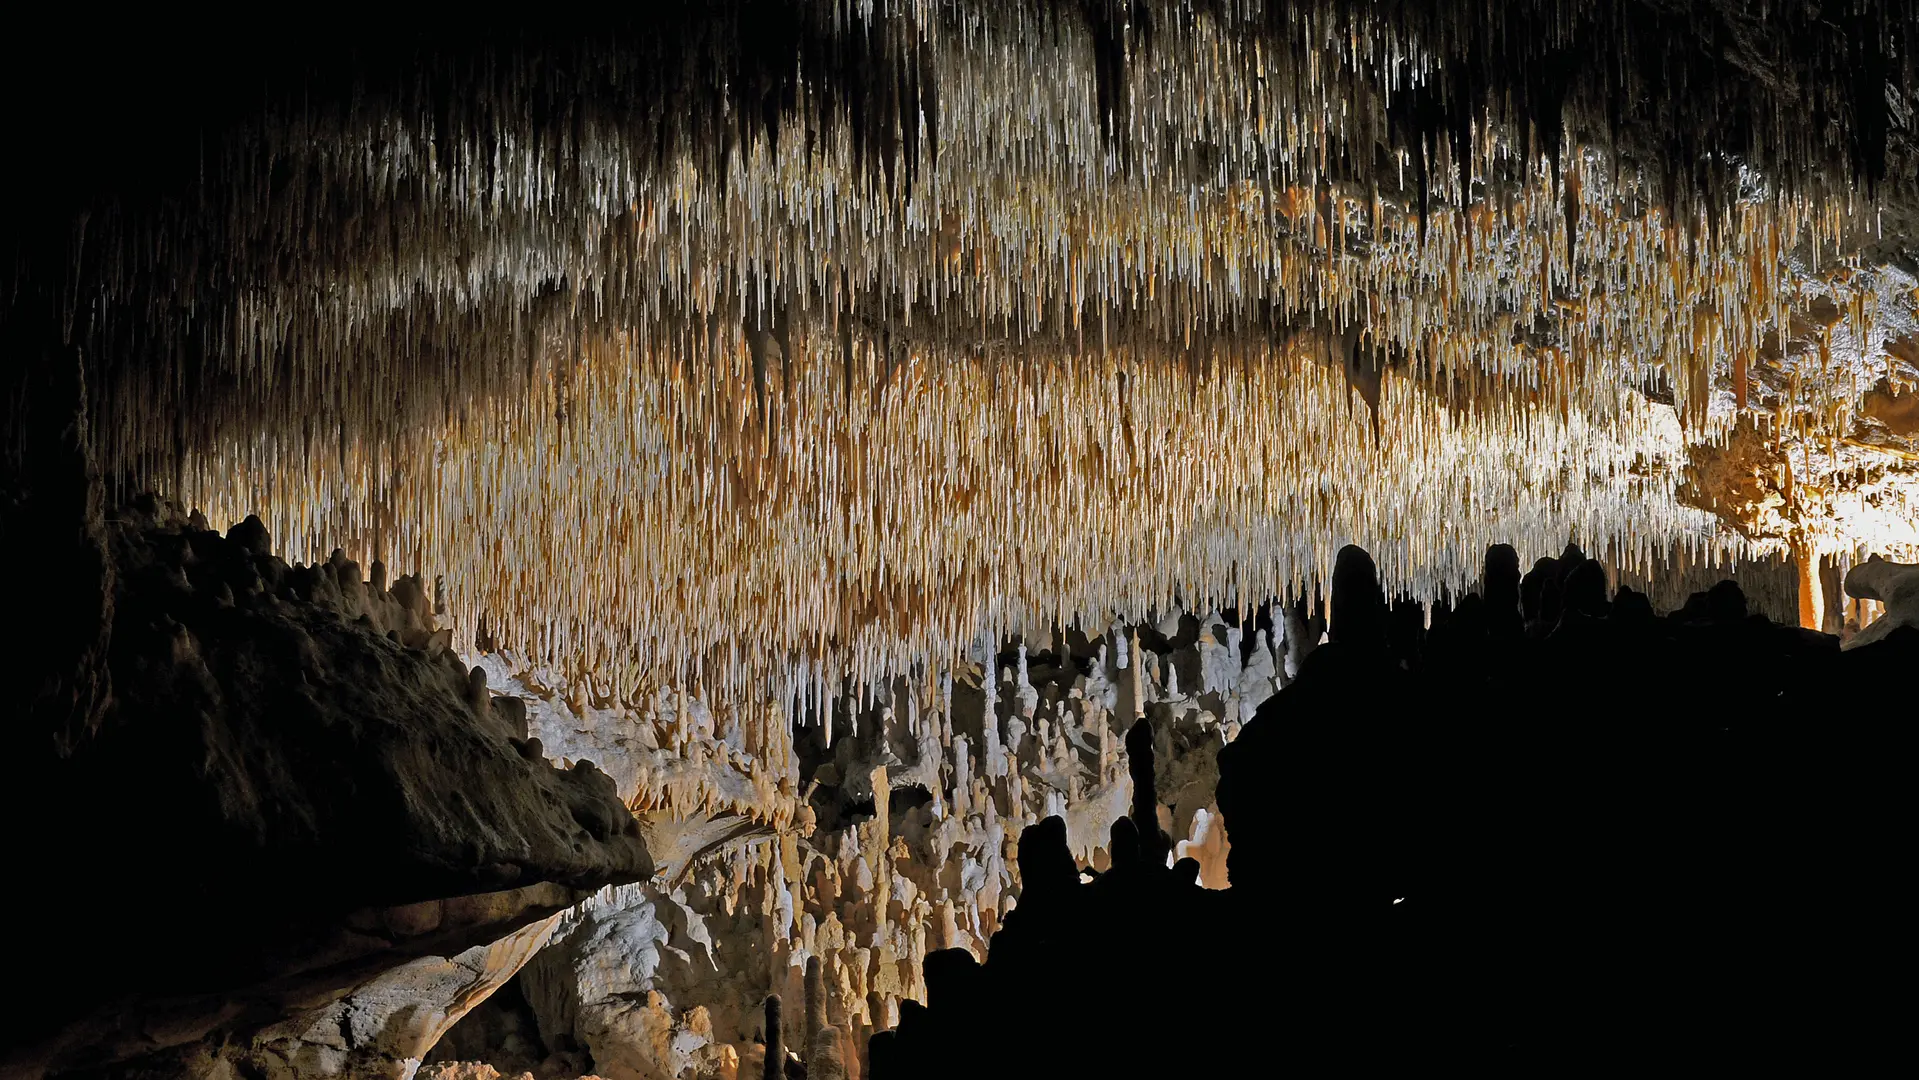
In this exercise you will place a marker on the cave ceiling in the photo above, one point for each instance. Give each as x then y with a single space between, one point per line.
772 349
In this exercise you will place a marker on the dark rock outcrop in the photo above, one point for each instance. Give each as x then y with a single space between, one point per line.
290 790
1613 840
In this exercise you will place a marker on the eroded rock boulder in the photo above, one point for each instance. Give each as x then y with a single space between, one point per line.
1895 585
601 985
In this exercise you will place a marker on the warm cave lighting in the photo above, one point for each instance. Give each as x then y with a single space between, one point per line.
862 539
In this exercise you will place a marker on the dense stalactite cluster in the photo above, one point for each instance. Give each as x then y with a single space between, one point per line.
888 535
1232 289
720 250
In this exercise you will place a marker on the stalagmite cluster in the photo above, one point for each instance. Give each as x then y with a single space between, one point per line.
905 842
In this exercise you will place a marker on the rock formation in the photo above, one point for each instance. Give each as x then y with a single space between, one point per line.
902 847
663 978
869 504
1413 884
1893 585
385 1026
292 775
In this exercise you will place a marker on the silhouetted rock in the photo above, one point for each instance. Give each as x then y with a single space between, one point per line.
774 1067
1726 602
1153 841
1540 595
1630 839
1504 618
1631 608
1359 606
1585 588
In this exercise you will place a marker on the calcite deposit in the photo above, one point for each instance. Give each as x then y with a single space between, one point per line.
901 839
1894 587
888 346
1819 463
385 1026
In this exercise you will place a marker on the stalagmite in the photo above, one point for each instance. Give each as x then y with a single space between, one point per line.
825 1060
1812 607
815 999
775 1068
476 696
1027 697
1139 698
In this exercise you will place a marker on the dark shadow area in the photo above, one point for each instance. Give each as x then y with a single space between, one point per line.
271 799
504 1031
1526 847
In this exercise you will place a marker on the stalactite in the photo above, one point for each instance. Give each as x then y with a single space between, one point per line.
813 346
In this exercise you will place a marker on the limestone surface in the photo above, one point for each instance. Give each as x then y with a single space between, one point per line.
1896 585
